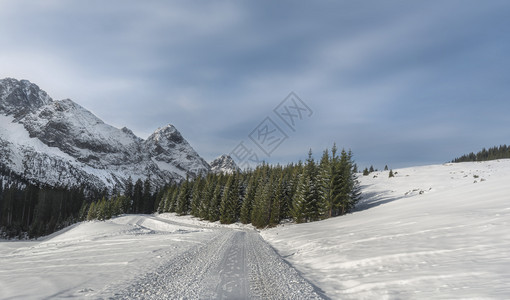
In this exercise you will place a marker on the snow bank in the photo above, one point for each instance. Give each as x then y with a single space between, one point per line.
430 232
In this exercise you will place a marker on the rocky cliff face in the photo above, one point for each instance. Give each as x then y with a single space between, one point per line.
61 143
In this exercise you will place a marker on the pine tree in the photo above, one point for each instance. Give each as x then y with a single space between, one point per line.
117 205
163 202
172 204
312 207
343 179
147 197
277 202
208 194
354 185
214 207
82 215
300 199
129 193
138 197
261 211
183 200
344 175
196 196
92 214
102 210
391 174
324 182
230 201
247 205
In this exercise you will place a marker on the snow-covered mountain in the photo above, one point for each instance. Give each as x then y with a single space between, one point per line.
61 143
224 164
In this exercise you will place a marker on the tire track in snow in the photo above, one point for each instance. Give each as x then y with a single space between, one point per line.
235 264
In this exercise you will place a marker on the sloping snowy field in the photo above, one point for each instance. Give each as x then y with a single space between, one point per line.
438 231
82 259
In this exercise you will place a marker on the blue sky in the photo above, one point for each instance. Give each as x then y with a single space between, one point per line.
401 83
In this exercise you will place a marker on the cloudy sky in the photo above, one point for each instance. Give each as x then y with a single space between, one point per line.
399 82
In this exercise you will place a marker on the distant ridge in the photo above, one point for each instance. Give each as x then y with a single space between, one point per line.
60 143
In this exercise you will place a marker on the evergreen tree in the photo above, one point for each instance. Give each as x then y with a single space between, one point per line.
214 208
101 210
501 152
354 185
261 211
172 207
82 215
312 207
391 174
208 194
196 198
138 194
344 174
163 202
301 197
147 198
129 193
183 200
92 214
230 201
247 205
324 182
276 206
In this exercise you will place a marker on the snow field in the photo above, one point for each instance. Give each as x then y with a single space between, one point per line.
430 232
83 260
149 257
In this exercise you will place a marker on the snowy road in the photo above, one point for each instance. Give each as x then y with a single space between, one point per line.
235 264
147 257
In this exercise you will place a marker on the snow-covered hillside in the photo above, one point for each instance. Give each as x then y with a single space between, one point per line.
438 231
62 143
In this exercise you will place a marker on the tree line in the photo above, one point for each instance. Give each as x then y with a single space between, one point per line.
137 198
304 192
28 210
496 152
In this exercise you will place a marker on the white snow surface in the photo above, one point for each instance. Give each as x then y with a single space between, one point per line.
79 260
431 232
149 257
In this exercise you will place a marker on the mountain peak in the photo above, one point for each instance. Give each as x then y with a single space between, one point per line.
224 164
62 143
19 97
167 134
